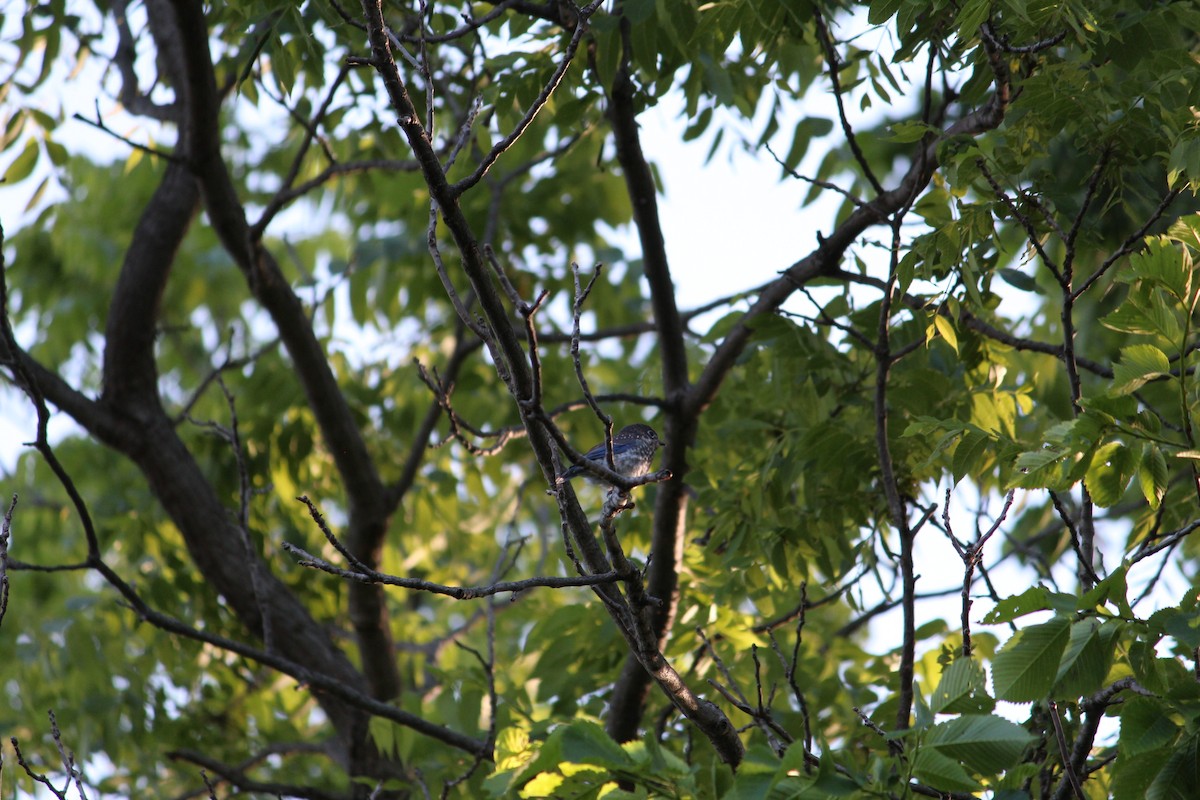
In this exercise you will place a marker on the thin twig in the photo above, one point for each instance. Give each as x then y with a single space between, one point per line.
98 122
255 563
68 757
5 531
485 164
833 187
834 64
460 308
363 574
1130 242
1061 738
471 24
972 556
1089 196
1031 231
529 311
1000 42
581 295
1068 520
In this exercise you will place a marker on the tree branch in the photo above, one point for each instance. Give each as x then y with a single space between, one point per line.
679 431
513 365
485 164
365 489
826 258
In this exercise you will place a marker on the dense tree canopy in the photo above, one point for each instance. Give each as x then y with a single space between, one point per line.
362 281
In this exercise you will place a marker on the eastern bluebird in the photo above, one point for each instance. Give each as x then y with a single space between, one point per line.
633 452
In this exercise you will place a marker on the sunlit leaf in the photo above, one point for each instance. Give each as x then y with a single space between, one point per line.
1139 364
1025 668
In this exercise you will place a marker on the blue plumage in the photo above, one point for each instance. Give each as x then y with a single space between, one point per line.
633 452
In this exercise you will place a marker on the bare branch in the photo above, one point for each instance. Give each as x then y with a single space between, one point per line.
124 58
5 531
834 63
1000 42
972 556
1068 767
833 187
485 164
471 24
1130 242
98 123
581 295
365 574
237 777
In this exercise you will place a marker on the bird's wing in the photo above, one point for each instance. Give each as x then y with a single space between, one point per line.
597 453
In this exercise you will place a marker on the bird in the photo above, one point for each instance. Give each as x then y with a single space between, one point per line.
633 451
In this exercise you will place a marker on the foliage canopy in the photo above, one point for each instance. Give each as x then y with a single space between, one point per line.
324 344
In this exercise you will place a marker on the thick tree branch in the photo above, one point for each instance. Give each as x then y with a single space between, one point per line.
124 59
130 372
670 512
365 489
215 545
237 778
896 503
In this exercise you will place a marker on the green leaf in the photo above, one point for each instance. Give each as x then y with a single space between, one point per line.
1109 473
962 689
699 125
585 742
973 448
544 784
1146 312
831 783
1113 589
58 153
283 67
909 132
971 15
934 768
1180 776
38 194
882 10
1132 776
1180 622
383 735
806 130
984 743
1025 668
1035 598
717 80
1017 279
1162 262
1087 659
1184 161
1140 363
1152 475
1038 459
637 11
1146 725
946 329
23 165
